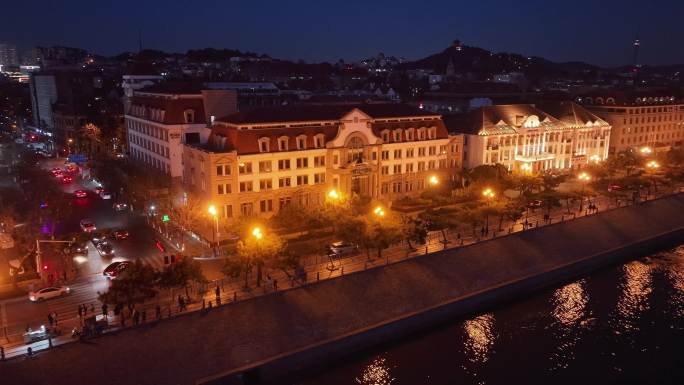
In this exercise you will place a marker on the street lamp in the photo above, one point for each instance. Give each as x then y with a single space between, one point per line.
434 181
595 158
378 211
645 150
584 179
652 166
488 194
257 233
214 213
526 168
333 195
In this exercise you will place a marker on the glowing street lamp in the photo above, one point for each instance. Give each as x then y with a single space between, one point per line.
652 165
645 150
488 193
215 230
333 194
256 233
595 158
434 181
379 211
584 178
526 167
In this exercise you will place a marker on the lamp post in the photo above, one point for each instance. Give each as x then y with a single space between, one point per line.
652 167
379 212
434 180
584 179
488 194
214 213
645 150
526 168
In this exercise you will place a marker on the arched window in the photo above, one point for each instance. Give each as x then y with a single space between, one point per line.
264 144
355 149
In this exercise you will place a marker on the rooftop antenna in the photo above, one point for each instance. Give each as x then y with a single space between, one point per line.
635 56
139 40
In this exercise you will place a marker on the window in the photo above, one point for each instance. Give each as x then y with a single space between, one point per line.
397 169
319 141
409 153
265 184
285 182
319 178
397 154
284 164
319 161
265 166
247 209
266 205
421 133
301 142
282 143
302 162
385 188
421 151
385 136
384 155
246 186
409 167
397 135
374 155
189 116
442 149
432 150
264 144
284 202
224 189
431 165
384 170
223 170
355 150
421 166
302 180
432 133
409 134
245 168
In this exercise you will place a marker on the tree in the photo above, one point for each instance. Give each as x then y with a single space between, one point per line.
135 285
255 250
181 274
382 232
414 230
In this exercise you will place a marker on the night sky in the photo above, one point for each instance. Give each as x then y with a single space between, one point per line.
595 31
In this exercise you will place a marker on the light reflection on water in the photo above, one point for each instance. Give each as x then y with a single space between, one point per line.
621 324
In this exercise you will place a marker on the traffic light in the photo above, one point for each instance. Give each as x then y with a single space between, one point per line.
165 218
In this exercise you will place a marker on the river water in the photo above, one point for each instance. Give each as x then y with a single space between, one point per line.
621 325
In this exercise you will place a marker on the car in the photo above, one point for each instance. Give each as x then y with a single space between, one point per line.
48 293
57 172
342 249
614 188
71 168
121 234
77 248
105 249
120 206
87 225
99 237
106 195
535 203
81 193
159 245
67 179
115 268
99 189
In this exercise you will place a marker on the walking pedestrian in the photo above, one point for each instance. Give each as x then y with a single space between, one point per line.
180 303
104 310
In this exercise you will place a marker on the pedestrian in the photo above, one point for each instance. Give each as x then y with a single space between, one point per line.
50 320
275 284
218 295
54 318
180 303
136 317
104 310
158 311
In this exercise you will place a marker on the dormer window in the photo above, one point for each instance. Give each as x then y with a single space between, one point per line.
385 136
397 135
421 133
301 142
409 134
264 144
432 133
319 141
189 116
282 143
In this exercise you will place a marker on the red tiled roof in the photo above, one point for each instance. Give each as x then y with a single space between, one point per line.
304 113
174 108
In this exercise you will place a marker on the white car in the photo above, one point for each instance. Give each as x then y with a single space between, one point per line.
343 249
49 292
106 195
87 225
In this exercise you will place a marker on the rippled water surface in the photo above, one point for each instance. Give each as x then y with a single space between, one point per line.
623 325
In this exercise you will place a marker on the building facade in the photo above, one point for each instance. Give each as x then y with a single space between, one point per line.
651 119
555 135
258 162
161 118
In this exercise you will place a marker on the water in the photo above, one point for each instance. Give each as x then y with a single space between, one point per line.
621 325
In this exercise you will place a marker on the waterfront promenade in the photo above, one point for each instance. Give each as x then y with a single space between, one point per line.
369 304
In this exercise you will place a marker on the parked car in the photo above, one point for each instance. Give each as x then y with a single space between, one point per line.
81 193
120 206
67 179
87 225
77 248
614 188
105 195
105 249
99 237
121 234
48 293
342 249
115 268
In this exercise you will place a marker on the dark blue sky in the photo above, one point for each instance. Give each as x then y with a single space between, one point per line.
595 31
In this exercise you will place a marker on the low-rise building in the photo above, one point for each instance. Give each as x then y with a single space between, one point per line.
639 119
257 162
554 135
162 117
